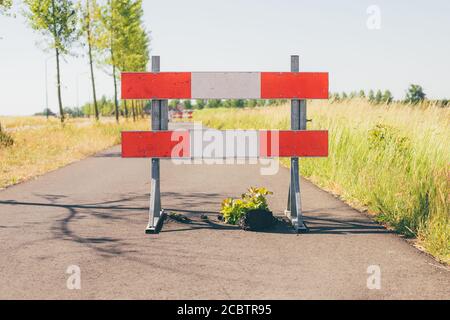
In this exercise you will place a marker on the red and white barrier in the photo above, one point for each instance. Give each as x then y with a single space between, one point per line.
225 85
214 144
181 114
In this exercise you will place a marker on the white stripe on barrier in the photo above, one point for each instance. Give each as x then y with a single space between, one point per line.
226 85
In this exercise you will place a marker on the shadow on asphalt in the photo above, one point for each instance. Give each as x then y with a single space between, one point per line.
316 225
113 210
331 225
108 155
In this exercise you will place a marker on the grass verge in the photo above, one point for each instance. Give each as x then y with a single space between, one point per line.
44 146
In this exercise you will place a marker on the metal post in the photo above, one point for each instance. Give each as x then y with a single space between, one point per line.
159 122
298 122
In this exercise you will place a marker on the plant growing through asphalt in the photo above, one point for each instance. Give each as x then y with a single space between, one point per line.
233 210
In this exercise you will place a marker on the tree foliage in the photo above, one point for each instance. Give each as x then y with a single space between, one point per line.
387 97
200 104
56 20
415 94
124 39
5 5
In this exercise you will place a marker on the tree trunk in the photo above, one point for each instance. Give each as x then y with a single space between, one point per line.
88 29
133 110
126 108
114 63
58 80
116 104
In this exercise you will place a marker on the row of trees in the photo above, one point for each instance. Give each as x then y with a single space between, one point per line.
378 97
217 103
414 95
110 32
107 107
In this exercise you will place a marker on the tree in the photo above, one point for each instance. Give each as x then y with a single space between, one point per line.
187 104
260 102
251 103
173 104
108 43
371 96
57 21
124 39
415 94
74 112
387 97
47 112
334 97
214 103
235 103
378 97
200 103
5 5
90 25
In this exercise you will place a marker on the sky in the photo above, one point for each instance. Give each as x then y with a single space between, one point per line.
377 44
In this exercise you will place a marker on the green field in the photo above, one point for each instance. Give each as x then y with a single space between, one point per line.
390 160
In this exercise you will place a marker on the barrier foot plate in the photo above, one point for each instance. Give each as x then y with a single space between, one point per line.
299 225
158 225
303 228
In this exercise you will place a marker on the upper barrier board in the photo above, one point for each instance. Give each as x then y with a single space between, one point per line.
225 85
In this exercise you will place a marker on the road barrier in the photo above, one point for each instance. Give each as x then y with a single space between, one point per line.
162 143
181 114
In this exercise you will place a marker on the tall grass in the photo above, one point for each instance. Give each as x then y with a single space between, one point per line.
392 160
26 121
46 146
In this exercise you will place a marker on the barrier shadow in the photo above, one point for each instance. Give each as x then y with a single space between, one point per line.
330 224
212 222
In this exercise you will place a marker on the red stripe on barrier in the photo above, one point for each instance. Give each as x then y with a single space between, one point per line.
294 85
288 143
162 85
155 144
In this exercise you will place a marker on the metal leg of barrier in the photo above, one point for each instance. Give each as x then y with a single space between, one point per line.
159 122
298 122
156 214
294 207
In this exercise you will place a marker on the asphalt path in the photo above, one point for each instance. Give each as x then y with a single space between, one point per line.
92 215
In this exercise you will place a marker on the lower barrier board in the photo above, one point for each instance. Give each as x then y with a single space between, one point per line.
224 144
